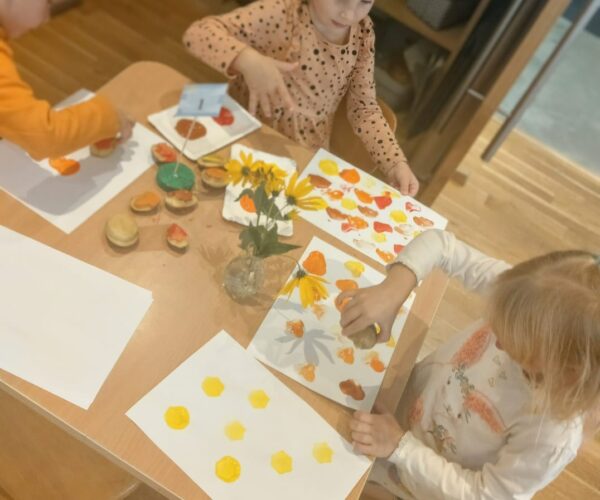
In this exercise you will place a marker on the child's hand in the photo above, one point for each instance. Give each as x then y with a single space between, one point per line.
403 179
375 434
376 304
125 126
265 82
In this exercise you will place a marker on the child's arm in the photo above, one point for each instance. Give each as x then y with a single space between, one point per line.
433 248
43 132
525 464
368 122
248 41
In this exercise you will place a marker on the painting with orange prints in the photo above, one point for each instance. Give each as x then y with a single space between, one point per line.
240 433
363 211
307 344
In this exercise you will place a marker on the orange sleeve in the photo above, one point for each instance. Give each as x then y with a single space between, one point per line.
41 131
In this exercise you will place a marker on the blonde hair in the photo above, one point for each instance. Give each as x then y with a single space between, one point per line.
545 313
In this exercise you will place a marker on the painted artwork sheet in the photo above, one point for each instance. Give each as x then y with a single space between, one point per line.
63 323
307 344
243 211
363 211
208 133
86 183
240 433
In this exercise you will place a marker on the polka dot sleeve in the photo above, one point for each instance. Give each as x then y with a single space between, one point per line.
217 40
364 114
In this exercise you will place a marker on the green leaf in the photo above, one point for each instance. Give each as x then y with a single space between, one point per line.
249 192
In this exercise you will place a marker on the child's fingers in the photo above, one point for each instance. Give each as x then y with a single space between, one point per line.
285 96
362 437
347 294
350 313
413 187
265 105
363 416
357 325
363 448
363 427
285 66
252 103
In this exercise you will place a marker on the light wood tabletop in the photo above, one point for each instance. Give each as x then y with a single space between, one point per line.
190 304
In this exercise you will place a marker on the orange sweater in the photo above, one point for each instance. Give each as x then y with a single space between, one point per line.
36 127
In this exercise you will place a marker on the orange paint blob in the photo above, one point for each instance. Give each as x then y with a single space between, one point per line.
382 201
308 372
382 227
295 328
387 257
336 194
351 388
369 212
375 363
346 355
315 263
65 166
335 214
318 181
363 196
344 285
350 175
247 204
354 223
423 222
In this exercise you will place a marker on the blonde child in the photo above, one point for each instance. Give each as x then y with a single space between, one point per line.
497 411
291 62
32 123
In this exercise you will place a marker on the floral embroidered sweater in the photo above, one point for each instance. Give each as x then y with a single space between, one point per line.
472 432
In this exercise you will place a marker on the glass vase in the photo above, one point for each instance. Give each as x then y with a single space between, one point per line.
244 276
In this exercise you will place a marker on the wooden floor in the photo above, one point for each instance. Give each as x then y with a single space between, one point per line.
525 202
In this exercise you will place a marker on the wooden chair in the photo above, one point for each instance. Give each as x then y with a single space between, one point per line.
346 144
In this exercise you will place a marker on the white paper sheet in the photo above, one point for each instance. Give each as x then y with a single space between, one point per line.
380 224
216 137
286 424
63 323
68 201
322 358
233 211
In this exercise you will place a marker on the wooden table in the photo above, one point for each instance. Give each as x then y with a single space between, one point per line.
190 304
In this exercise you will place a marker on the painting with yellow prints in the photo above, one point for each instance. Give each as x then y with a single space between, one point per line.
239 433
306 344
363 211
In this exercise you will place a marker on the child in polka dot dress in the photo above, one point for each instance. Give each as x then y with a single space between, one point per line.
291 62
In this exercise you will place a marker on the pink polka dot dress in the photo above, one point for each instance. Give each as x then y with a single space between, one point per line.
283 30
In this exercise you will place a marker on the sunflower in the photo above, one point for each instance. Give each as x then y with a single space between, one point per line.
242 170
271 176
296 195
311 288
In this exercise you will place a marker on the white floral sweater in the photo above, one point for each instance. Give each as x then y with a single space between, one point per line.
471 429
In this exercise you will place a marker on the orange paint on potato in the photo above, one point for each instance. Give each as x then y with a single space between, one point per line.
149 199
65 166
176 233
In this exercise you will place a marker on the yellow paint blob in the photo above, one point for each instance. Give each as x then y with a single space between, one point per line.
235 431
329 167
258 399
281 462
228 469
349 204
212 386
355 267
322 453
391 342
379 237
177 417
398 216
